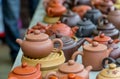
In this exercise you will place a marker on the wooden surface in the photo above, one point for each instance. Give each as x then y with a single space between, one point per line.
38 17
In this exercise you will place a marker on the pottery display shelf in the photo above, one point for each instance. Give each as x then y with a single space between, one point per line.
38 17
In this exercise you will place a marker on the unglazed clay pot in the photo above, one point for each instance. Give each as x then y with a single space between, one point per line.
81 10
100 38
86 28
105 6
25 72
109 60
72 67
94 51
38 45
69 76
55 9
70 18
111 72
53 29
107 28
115 53
93 15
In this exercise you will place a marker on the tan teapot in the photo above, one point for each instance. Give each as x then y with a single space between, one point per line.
111 72
55 8
25 72
72 67
38 45
94 51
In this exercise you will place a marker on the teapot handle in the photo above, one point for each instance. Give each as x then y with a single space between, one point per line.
75 54
51 74
109 59
60 44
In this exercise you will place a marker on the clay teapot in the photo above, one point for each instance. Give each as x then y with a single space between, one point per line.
100 38
70 18
110 72
70 45
68 76
93 15
25 72
117 4
109 60
86 28
72 67
55 9
94 51
105 6
81 10
107 28
38 45
115 53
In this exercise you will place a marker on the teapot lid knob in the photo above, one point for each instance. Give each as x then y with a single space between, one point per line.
71 62
112 66
24 65
71 76
36 32
102 35
95 44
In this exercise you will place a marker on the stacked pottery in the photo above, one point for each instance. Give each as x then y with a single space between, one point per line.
94 51
39 48
25 72
86 28
54 10
107 28
71 67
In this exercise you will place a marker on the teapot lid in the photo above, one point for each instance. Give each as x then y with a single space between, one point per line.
71 67
95 46
69 13
111 72
93 10
84 22
114 13
24 69
37 36
102 38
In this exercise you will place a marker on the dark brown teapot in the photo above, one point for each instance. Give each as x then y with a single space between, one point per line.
70 18
86 28
107 28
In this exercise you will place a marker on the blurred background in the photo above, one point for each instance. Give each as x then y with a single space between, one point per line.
5 61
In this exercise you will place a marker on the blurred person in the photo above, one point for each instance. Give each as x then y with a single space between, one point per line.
9 16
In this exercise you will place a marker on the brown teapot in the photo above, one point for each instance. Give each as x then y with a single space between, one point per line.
55 9
72 67
94 51
38 45
25 72
81 10
69 76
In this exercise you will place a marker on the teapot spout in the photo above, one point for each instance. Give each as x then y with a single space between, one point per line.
19 41
89 40
80 42
89 68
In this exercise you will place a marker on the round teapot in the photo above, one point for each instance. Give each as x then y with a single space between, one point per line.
105 6
38 45
86 28
115 53
110 60
70 18
68 76
111 72
55 9
100 38
93 15
70 45
107 28
94 51
25 72
114 17
72 67
81 10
